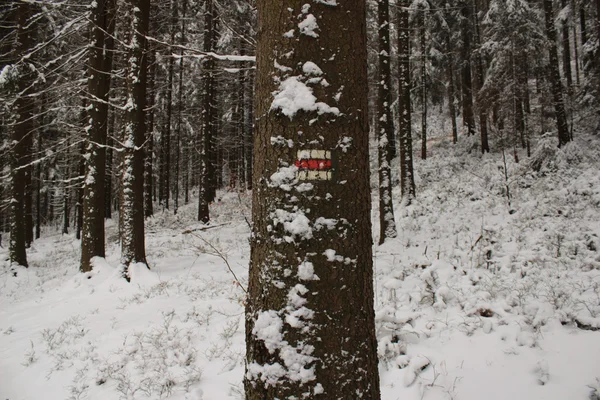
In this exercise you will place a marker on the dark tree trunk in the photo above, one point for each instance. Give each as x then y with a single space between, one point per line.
554 76
249 123
29 188
207 181
385 125
407 179
180 107
385 78
451 89
38 189
109 165
132 176
483 110
148 170
423 84
165 138
65 190
20 122
79 193
99 71
467 85
312 285
582 24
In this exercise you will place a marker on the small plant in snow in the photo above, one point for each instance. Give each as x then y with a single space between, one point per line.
68 332
30 356
595 390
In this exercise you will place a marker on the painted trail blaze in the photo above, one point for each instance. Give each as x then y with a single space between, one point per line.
314 165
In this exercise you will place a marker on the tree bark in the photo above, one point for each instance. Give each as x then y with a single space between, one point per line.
309 318
467 85
407 179
180 107
132 177
567 52
165 138
149 158
554 76
422 12
20 122
99 71
451 88
385 126
207 181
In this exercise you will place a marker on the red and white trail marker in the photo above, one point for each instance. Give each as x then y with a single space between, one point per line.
314 165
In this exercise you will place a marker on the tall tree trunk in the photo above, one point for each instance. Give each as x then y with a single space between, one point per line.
148 170
20 122
207 152
79 194
309 319
554 76
165 138
575 42
483 110
407 179
385 78
38 188
385 125
109 166
65 190
29 189
566 51
451 88
132 176
582 24
99 71
179 112
422 12
467 85
249 129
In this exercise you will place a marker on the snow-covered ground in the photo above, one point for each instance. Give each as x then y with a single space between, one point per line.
475 299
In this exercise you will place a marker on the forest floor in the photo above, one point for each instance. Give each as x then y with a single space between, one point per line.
492 289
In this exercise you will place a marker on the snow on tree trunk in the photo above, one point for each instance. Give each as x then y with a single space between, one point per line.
99 70
554 77
385 125
407 178
19 78
309 319
132 174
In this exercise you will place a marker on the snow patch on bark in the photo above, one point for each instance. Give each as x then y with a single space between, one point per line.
294 96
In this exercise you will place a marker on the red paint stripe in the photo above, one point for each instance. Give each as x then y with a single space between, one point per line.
314 164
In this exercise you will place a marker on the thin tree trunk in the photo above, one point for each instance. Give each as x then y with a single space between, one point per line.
423 84
180 107
483 111
407 180
207 153
582 24
165 141
451 89
79 193
467 85
38 188
385 126
567 52
148 161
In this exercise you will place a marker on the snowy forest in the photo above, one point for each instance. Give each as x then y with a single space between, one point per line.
300 199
